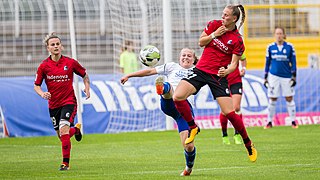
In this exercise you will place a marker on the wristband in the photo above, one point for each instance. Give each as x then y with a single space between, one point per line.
212 35
244 68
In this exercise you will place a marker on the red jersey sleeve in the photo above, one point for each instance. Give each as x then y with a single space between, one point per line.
212 26
39 75
238 47
78 69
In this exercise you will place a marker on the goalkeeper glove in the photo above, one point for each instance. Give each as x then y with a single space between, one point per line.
293 82
266 83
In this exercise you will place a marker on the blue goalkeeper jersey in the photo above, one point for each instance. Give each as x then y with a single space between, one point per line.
281 61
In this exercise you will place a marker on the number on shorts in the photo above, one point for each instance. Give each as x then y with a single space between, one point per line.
54 121
191 76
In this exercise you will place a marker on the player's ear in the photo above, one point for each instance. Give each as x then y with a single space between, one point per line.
62 47
235 19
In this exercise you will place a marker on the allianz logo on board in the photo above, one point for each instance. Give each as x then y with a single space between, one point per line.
112 96
254 98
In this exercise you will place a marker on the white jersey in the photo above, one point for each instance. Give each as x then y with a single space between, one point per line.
174 73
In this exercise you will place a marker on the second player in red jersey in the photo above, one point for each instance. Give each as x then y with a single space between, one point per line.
57 72
236 90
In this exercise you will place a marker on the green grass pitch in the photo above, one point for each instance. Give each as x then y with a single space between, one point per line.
283 153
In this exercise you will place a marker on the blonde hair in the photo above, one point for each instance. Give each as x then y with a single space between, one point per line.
236 11
193 53
48 37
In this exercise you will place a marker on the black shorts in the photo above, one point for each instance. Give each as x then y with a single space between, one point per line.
67 112
218 85
236 88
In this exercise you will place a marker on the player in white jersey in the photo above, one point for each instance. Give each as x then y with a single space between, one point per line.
174 72
280 74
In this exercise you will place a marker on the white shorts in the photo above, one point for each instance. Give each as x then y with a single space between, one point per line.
276 84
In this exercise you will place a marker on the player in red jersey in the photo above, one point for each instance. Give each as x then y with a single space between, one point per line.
235 86
223 47
57 72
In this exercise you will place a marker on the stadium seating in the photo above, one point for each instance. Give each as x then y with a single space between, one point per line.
21 48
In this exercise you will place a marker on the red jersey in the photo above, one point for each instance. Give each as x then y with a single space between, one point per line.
218 53
58 77
234 77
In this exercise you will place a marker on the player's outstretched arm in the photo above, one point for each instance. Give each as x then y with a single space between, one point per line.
141 73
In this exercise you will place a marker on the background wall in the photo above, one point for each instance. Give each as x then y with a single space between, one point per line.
102 27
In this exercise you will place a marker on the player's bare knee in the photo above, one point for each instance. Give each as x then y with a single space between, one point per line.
273 99
237 109
177 97
289 98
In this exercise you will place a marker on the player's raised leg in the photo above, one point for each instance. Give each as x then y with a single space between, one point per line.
184 108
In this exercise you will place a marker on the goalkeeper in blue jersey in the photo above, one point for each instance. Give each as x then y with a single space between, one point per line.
174 73
280 74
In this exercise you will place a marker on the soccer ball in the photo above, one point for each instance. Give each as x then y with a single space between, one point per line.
149 55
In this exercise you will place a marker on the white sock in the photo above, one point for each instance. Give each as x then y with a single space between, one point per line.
291 106
271 110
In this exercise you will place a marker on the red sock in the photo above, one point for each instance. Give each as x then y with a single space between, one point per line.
72 131
235 131
66 147
238 125
224 123
184 109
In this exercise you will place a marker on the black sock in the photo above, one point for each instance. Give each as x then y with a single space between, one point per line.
224 133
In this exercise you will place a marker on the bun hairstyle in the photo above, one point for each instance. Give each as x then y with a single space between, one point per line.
48 37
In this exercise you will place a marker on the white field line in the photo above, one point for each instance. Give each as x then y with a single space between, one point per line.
195 170
221 168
